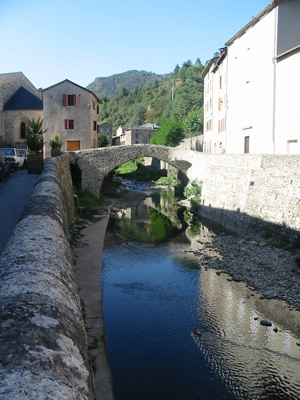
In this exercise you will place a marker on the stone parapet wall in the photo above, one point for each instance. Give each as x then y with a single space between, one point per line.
43 343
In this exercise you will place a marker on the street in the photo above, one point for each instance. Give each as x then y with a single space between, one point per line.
14 194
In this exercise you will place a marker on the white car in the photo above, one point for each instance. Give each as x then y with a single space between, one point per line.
14 157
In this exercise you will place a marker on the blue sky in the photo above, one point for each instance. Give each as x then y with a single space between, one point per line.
50 41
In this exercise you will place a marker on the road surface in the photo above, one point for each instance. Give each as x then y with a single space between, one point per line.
14 194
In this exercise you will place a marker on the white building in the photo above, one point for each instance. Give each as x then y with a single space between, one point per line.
250 90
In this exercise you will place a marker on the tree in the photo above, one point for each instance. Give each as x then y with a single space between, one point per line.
103 142
193 123
138 117
169 134
34 137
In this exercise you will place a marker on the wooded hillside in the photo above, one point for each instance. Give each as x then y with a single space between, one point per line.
177 95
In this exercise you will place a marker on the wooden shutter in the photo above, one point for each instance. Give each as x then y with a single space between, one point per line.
66 124
75 100
65 100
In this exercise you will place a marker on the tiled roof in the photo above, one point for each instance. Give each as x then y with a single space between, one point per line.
23 100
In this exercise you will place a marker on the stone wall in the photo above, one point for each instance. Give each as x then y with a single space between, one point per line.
43 343
251 194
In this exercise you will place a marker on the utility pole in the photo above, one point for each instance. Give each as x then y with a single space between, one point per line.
172 89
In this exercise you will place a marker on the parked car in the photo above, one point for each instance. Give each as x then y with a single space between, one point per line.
24 155
4 166
14 157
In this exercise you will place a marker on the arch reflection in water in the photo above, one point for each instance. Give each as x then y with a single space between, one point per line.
156 294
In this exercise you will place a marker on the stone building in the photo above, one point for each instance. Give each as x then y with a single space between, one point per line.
104 127
251 89
20 102
71 112
135 134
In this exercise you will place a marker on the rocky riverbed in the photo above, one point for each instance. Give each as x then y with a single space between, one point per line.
273 272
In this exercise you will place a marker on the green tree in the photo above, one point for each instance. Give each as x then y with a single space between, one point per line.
34 138
138 117
193 123
169 134
103 142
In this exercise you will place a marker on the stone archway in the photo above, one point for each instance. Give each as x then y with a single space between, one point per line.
95 164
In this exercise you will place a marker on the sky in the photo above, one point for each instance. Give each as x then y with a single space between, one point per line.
53 40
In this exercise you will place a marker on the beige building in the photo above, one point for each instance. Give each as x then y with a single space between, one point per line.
135 135
250 89
71 112
20 101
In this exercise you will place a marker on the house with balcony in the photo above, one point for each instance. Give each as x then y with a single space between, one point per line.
250 89
20 102
71 112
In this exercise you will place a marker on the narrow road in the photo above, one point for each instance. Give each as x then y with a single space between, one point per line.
14 194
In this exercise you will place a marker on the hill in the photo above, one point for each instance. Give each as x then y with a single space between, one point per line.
108 87
178 95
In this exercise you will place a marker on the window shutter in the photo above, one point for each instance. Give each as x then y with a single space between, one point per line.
75 100
66 124
65 100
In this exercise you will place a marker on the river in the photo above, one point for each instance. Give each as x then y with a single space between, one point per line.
178 330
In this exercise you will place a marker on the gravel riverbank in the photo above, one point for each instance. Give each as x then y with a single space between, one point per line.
273 272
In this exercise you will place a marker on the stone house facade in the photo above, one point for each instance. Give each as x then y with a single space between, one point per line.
71 112
135 135
20 102
104 127
251 88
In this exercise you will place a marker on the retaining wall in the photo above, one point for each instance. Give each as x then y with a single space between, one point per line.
43 343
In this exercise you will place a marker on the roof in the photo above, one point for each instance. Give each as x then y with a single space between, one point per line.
255 20
208 65
73 83
23 100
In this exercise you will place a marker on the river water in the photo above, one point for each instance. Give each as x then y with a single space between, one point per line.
155 293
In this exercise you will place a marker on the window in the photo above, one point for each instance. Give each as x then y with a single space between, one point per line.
70 100
95 125
94 106
220 104
246 144
22 130
69 124
137 135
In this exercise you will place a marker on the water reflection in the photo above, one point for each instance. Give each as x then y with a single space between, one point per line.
157 294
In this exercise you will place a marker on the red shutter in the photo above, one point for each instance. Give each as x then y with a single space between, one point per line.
75 100
66 124
65 100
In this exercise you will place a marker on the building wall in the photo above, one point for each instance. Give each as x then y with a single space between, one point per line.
288 26
84 116
138 135
287 128
12 121
250 89
103 127
9 84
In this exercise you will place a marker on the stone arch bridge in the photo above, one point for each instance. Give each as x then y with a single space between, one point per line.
95 164
261 189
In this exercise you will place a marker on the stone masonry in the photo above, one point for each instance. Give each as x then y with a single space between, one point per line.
43 342
242 192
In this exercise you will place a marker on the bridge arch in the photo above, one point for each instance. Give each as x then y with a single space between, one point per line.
95 164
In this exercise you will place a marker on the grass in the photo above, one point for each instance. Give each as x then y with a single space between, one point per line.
86 202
